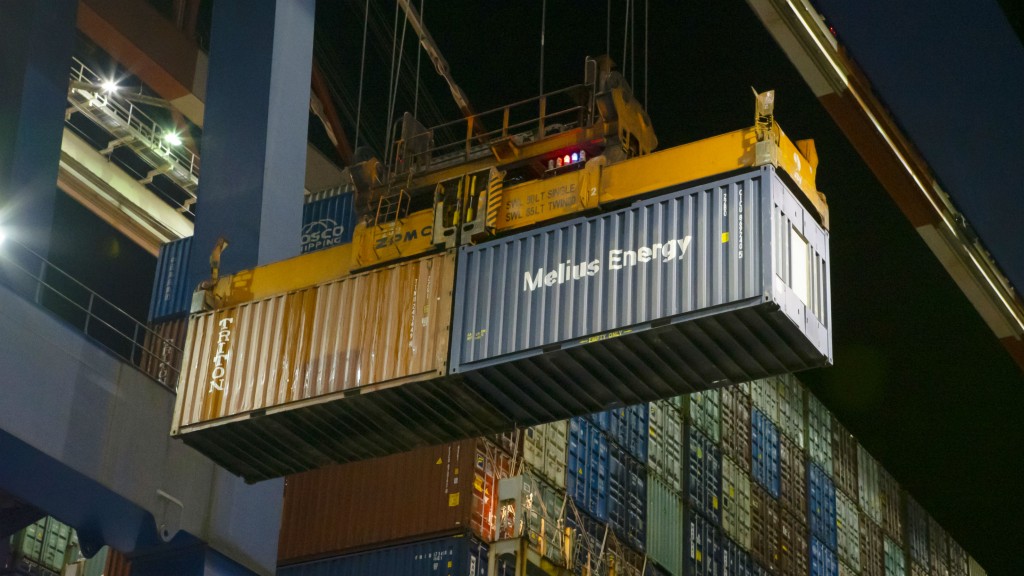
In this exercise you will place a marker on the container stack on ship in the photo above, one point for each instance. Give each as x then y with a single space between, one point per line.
715 483
544 347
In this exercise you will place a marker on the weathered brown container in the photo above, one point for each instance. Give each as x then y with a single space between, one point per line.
938 548
844 459
736 426
161 352
410 496
892 509
793 476
344 370
872 559
117 564
793 549
764 528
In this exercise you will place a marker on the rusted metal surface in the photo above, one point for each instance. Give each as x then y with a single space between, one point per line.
369 328
162 350
429 491
337 372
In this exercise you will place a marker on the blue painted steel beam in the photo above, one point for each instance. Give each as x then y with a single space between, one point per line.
35 57
254 139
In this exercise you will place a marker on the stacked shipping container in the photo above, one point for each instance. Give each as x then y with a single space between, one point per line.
585 500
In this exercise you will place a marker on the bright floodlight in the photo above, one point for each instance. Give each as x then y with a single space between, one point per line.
3 236
172 139
109 86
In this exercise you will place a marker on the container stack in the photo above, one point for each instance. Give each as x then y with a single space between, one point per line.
43 547
755 479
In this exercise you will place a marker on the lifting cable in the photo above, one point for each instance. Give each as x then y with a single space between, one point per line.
362 66
419 54
647 5
625 40
396 73
543 23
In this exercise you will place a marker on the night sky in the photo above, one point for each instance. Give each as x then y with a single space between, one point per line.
918 378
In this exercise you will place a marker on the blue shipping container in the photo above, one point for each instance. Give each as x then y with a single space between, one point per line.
452 556
627 427
627 497
823 560
327 222
172 296
703 544
764 452
703 474
586 480
821 505
623 305
735 560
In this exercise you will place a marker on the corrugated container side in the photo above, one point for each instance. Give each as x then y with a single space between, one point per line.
172 296
764 394
544 450
736 426
975 568
821 505
327 222
555 320
917 530
938 548
587 470
665 525
704 411
511 442
735 502
703 544
384 325
162 349
895 560
765 528
341 371
793 479
764 452
823 560
793 547
871 556
867 484
588 536
490 465
665 448
914 569
819 433
891 505
43 543
846 570
452 556
626 426
844 459
627 497
735 559
343 507
958 562
872 561
847 530
117 564
792 418
531 508
703 490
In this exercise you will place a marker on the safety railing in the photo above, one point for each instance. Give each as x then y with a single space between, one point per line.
129 125
37 279
528 120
